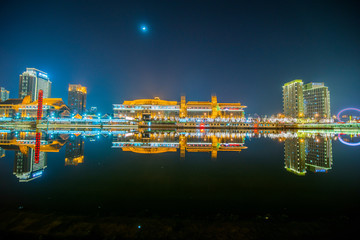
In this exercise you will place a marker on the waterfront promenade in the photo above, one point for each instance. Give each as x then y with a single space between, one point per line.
133 124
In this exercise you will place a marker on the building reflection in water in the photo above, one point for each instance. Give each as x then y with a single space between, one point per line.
2 152
190 141
26 167
74 150
304 154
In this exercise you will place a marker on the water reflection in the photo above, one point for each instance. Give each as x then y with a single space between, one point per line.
74 150
303 151
29 164
185 141
308 154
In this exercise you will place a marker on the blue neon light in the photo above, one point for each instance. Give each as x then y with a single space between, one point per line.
346 143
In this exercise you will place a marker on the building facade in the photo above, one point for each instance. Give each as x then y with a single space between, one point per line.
4 94
24 108
157 109
316 100
293 99
31 81
77 98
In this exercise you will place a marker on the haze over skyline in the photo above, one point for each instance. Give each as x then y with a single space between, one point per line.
240 51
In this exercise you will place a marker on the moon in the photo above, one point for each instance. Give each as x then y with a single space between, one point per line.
144 28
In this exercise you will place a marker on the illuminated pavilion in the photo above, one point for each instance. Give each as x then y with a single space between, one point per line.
24 108
157 109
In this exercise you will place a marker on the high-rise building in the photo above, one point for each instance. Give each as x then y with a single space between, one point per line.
4 94
77 98
293 99
74 151
316 100
31 81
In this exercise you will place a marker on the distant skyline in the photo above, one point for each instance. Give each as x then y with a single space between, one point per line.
240 51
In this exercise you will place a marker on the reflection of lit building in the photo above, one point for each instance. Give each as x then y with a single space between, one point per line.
295 155
31 81
293 99
160 109
74 151
77 98
2 152
24 108
312 154
318 154
170 141
4 94
25 167
316 100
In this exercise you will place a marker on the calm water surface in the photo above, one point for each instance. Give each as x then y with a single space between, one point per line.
190 173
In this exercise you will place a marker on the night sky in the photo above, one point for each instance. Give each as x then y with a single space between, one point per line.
239 50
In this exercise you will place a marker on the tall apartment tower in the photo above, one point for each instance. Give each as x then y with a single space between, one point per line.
31 81
77 98
4 94
293 99
316 100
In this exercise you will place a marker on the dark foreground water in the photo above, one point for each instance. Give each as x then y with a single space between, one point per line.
188 176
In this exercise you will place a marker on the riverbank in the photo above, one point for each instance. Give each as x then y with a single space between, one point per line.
35 225
108 124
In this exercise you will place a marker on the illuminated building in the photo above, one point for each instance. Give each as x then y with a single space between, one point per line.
24 108
318 154
74 151
295 155
4 94
77 98
147 109
31 81
157 109
293 99
316 100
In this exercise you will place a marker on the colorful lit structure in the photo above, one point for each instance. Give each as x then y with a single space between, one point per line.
157 109
293 99
77 98
31 81
338 116
316 100
311 100
24 108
